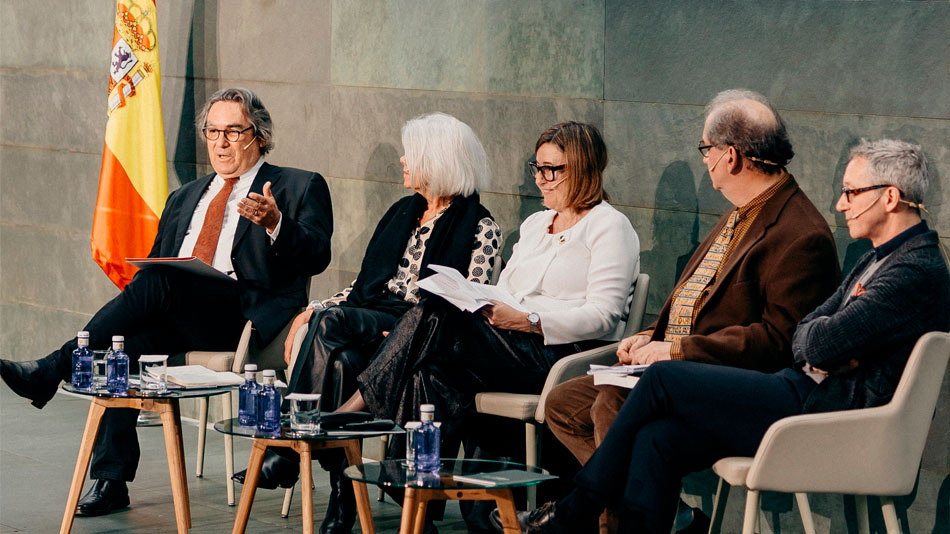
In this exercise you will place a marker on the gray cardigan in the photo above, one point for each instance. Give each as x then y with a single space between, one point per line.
908 296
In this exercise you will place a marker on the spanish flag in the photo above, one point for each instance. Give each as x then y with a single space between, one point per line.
133 182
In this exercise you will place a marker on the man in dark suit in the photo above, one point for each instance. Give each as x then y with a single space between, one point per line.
266 227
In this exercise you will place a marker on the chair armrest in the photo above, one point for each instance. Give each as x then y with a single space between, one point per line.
295 351
240 354
853 452
573 366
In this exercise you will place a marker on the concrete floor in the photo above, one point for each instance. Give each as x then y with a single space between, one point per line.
38 453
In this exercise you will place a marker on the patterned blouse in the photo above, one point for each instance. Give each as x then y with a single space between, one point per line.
485 249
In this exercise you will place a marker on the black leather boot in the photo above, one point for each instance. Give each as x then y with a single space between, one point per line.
277 470
341 507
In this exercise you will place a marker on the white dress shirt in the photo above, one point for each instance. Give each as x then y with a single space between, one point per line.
222 254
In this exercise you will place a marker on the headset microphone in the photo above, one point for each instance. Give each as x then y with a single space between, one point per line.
249 144
551 188
862 212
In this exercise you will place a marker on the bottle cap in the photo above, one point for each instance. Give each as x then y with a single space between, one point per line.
83 333
427 408
118 338
270 373
250 367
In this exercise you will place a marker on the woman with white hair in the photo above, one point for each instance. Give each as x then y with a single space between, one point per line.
442 223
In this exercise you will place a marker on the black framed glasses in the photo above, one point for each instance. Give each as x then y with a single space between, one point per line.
704 149
231 134
848 193
548 172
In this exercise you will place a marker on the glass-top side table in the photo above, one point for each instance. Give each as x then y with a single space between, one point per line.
304 445
473 480
166 404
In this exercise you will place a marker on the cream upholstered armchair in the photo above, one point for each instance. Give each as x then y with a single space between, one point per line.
529 408
871 451
267 357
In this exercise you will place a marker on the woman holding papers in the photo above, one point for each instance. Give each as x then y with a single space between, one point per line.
570 280
443 223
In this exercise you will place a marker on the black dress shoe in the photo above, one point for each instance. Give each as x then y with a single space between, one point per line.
36 380
275 471
698 525
544 521
495 518
104 497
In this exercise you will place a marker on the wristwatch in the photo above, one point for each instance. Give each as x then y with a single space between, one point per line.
534 321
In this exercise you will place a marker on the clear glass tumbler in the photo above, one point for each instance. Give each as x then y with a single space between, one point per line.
304 412
99 369
153 373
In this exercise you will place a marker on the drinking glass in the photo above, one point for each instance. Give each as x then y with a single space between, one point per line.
99 369
153 373
411 428
304 412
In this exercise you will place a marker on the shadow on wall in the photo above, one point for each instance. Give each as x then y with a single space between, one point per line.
530 202
201 64
855 248
675 237
382 166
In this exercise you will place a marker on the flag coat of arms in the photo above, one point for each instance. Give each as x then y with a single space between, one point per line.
133 183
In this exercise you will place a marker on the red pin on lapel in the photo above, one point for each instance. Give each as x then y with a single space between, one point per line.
859 290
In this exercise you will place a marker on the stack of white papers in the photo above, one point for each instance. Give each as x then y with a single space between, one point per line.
466 295
625 376
199 376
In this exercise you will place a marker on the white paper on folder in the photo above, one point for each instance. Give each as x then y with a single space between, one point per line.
466 295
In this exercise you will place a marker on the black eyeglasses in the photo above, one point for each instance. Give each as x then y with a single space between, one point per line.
231 134
704 149
548 172
848 193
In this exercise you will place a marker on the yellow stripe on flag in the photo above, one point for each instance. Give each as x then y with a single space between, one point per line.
133 182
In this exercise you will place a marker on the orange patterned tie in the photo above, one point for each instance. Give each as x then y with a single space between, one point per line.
681 310
214 218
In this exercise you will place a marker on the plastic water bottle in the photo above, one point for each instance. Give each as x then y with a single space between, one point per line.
117 368
247 396
427 441
82 362
268 405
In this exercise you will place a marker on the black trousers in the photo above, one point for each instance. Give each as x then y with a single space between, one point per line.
161 311
340 342
680 418
437 354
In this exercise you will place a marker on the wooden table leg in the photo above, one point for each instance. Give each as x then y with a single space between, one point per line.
408 509
419 514
507 511
250 486
354 456
174 450
96 411
228 449
306 485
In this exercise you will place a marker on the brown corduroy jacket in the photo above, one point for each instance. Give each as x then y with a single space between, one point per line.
785 266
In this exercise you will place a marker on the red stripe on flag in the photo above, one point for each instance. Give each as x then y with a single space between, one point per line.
123 225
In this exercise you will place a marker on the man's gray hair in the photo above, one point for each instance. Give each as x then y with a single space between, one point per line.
254 111
897 163
446 155
762 139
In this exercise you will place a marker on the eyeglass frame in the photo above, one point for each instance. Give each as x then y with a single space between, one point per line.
226 132
554 169
848 193
704 149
